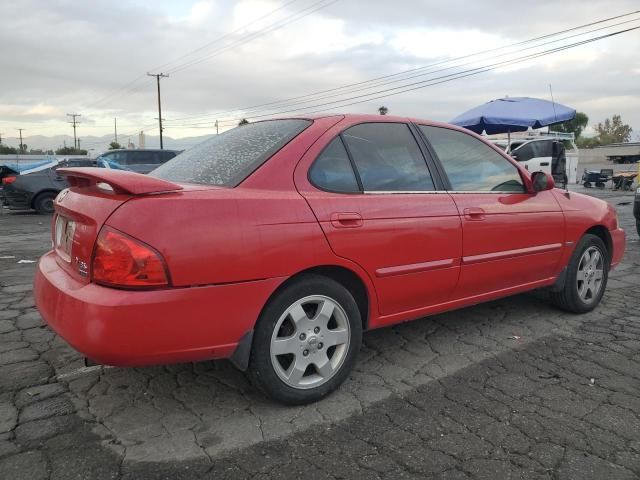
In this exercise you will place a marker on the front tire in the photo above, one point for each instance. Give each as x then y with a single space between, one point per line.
306 341
586 277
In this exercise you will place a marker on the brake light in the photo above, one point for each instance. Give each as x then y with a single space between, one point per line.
8 180
121 261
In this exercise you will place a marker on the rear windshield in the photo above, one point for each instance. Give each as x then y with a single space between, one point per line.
227 159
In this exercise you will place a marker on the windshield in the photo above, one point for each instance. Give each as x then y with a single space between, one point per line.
227 159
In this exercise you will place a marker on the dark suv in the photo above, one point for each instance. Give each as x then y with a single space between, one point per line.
38 189
636 209
140 161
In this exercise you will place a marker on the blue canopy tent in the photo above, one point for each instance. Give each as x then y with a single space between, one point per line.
513 114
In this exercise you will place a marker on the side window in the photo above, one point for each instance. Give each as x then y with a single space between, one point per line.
470 164
166 156
140 158
544 148
525 152
387 157
332 170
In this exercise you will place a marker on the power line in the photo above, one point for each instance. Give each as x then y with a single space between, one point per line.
130 88
436 80
286 21
158 77
375 81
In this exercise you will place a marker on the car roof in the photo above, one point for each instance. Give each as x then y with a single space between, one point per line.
367 117
141 150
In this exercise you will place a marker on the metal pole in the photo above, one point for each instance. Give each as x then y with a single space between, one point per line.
21 146
74 122
216 127
158 77
115 129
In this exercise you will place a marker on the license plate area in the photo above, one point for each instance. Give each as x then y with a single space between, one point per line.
64 231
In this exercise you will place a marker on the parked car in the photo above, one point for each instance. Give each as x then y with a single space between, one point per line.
141 161
278 243
35 189
636 209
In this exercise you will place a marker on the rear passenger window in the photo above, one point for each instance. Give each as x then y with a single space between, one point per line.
470 164
332 170
387 157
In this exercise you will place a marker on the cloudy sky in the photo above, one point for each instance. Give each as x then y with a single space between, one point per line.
224 56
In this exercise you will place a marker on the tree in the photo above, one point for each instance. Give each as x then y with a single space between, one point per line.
70 151
383 110
115 146
575 126
6 150
613 131
242 122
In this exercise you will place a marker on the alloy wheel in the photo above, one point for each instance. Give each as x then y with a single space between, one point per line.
590 274
310 342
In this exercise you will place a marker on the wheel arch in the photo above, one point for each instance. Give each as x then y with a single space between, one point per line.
603 234
345 277
35 196
348 278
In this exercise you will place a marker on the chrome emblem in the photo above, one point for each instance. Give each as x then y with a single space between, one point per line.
83 267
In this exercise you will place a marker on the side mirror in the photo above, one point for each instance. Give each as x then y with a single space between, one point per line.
514 156
541 182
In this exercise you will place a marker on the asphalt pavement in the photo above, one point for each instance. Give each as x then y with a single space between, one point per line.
509 389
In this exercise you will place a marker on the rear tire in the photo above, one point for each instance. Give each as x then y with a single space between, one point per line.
43 203
638 226
586 277
306 341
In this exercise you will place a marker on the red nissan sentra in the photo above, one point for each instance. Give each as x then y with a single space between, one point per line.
276 244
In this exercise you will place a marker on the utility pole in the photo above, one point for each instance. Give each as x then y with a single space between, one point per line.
115 130
78 144
216 127
21 145
158 77
74 122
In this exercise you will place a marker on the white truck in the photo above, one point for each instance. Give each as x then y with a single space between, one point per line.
554 153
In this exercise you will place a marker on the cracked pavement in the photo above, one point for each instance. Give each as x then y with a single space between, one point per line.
509 389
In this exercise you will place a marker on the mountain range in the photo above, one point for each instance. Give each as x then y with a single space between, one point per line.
96 145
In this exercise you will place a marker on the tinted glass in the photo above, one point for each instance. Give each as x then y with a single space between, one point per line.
143 158
470 164
228 158
167 155
332 170
387 157
536 149
524 153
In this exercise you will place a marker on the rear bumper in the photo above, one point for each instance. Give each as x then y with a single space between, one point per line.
130 328
618 239
16 200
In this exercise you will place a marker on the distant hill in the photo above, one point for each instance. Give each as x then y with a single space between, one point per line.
97 145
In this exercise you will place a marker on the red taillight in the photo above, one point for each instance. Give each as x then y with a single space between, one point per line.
8 180
121 261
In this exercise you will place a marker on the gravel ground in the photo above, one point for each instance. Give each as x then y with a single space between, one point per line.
509 389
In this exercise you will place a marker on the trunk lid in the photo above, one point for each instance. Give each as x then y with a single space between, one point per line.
82 209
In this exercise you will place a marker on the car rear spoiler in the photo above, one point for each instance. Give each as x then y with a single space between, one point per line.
119 180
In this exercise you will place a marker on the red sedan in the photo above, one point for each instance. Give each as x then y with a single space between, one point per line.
276 244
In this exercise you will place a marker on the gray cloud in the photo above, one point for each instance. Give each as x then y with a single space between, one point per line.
61 56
